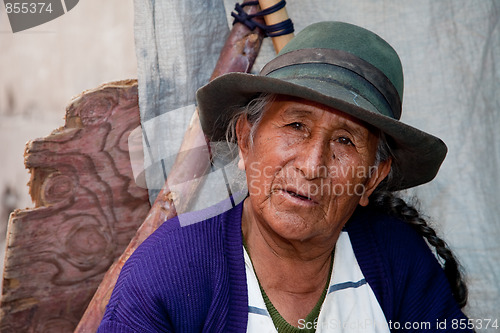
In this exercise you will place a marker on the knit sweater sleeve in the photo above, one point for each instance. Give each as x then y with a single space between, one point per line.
135 304
183 279
165 285
406 278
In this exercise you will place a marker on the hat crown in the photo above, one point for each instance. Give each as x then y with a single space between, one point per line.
355 40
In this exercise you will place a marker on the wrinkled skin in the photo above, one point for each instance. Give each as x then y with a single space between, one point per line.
308 168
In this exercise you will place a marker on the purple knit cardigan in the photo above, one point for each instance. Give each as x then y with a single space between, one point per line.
192 278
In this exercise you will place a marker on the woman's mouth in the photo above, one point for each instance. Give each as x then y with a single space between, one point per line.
297 197
302 197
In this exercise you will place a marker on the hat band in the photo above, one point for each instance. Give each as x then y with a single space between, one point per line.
341 59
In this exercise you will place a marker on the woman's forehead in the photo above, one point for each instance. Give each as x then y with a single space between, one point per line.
295 107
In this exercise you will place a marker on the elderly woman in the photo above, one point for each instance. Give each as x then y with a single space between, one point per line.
321 243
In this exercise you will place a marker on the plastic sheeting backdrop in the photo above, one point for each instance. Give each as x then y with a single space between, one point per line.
450 51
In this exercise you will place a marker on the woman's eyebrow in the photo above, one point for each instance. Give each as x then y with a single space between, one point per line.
355 129
296 112
351 126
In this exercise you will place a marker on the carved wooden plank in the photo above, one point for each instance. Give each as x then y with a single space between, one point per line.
87 208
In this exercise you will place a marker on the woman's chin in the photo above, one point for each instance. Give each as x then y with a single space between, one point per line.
293 226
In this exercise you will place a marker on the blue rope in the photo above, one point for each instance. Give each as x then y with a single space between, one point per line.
283 28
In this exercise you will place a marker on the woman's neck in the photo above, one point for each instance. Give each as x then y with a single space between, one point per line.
292 273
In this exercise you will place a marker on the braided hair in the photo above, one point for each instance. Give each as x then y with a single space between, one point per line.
387 201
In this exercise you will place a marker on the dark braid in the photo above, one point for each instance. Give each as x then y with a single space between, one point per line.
395 206
388 202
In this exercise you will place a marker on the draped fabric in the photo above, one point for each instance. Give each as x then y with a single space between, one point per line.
450 50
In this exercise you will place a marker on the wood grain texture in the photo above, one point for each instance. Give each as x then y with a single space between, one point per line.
87 208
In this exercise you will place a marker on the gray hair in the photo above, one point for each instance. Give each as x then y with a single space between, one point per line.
253 111
384 153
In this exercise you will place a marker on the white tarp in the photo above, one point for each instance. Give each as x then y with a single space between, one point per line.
450 51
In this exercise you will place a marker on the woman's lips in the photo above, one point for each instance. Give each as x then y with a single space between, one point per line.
297 196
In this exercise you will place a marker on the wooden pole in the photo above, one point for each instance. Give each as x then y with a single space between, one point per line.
238 55
274 18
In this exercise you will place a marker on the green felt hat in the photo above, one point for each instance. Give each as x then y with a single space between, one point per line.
342 66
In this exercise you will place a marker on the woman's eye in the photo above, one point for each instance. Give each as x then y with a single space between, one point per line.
345 141
296 125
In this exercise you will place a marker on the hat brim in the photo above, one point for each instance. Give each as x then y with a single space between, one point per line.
417 154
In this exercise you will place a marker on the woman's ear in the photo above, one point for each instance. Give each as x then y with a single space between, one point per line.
243 137
378 175
241 161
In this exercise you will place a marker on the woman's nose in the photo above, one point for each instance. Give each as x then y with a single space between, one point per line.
312 158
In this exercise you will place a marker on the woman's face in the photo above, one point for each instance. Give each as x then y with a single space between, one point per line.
308 168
